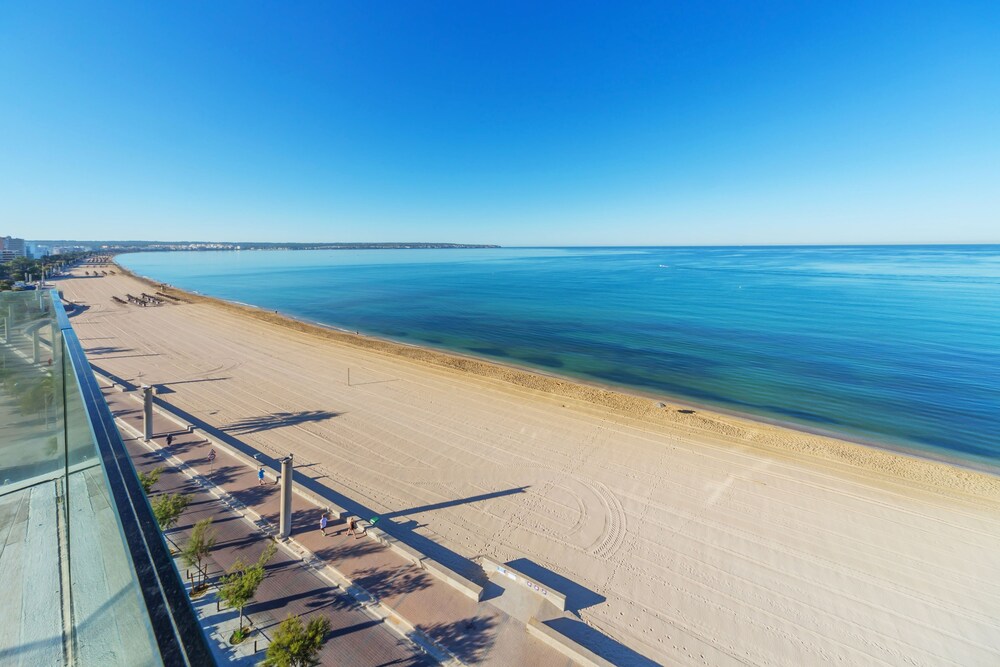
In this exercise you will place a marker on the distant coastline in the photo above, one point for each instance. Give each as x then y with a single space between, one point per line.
119 247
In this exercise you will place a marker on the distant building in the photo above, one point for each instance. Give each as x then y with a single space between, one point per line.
38 251
11 248
62 250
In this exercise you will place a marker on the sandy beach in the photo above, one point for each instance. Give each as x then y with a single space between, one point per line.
702 538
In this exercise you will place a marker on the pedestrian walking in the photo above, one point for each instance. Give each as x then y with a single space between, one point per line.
322 524
260 476
352 527
170 439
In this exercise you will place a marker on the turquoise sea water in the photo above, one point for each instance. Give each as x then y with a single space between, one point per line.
894 345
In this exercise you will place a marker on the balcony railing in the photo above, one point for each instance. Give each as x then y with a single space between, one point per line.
87 576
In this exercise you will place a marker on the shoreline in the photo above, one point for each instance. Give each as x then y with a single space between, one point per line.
895 462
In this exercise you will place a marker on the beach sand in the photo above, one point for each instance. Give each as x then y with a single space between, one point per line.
695 537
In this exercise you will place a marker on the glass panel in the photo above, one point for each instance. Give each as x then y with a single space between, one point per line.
82 449
32 444
70 590
109 621
32 456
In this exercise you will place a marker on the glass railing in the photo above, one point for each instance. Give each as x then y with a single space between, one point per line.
87 578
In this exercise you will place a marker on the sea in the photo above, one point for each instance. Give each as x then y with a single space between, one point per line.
897 346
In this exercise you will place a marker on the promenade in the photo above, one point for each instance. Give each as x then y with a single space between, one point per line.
385 607
290 588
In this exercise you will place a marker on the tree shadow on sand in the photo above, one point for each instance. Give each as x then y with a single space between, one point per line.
277 420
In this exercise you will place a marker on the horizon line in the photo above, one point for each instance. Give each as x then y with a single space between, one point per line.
498 245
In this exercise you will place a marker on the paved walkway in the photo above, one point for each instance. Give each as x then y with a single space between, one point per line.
491 632
291 587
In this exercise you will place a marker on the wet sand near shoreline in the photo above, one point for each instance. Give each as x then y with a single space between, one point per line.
695 537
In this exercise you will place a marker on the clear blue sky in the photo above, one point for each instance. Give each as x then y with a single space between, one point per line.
504 122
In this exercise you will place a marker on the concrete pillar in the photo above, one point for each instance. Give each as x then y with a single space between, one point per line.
35 356
147 412
285 525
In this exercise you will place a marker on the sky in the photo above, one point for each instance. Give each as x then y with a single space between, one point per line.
578 123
